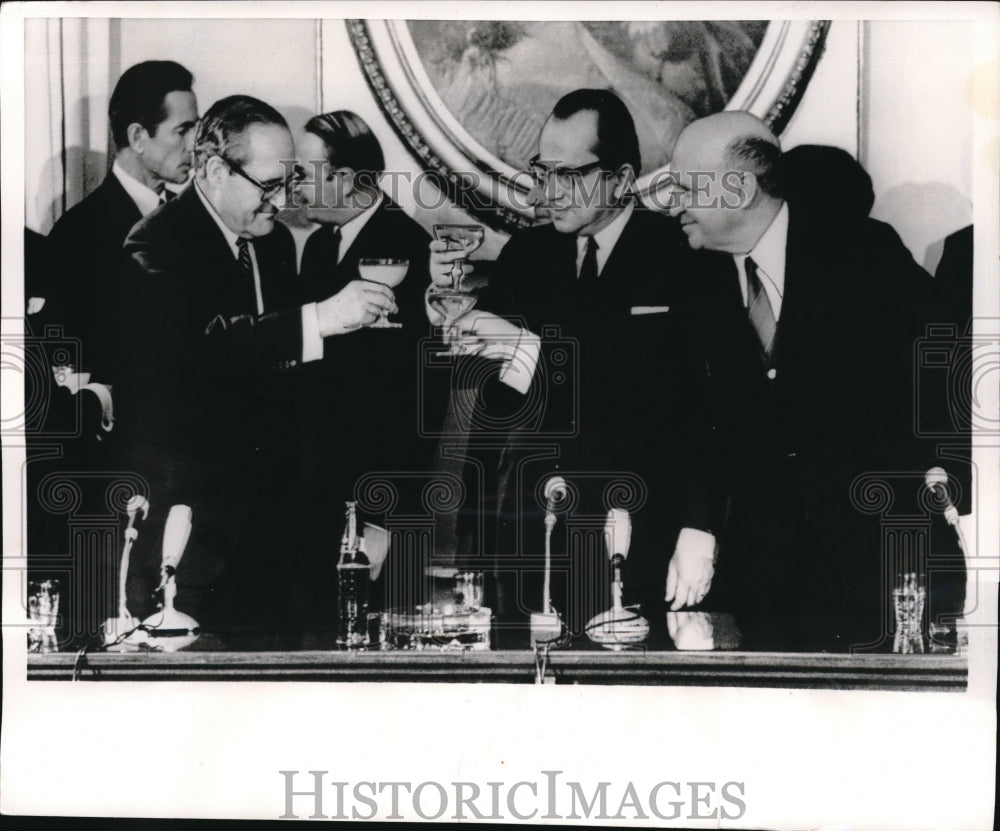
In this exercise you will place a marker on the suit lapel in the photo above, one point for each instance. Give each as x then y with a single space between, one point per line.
219 272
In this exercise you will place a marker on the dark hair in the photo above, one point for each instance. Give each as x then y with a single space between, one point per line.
349 142
220 131
617 141
829 179
139 96
760 157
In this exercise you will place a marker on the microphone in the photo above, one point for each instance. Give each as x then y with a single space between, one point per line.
546 626
175 537
936 480
170 629
556 490
617 536
618 626
114 628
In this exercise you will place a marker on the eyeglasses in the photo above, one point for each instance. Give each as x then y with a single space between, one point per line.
268 190
566 177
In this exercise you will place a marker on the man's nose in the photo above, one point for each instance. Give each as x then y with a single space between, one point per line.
675 203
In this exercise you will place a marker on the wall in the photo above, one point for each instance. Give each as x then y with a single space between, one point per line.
917 129
914 137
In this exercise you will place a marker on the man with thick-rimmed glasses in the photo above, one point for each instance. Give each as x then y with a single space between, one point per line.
213 337
589 371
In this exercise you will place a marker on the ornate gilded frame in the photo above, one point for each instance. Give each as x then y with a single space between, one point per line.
491 189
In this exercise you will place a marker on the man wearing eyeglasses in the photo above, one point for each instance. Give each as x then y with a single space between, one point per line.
213 337
601 285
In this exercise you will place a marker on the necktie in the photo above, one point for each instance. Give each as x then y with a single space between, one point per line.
165 194
759 308
246 264
588 271
319 261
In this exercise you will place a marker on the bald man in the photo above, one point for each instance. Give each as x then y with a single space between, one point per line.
810 321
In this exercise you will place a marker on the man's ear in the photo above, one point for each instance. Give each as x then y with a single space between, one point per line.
215 171
749 187
624 182
137 137
347 183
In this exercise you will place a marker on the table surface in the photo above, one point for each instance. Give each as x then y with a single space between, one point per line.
514 659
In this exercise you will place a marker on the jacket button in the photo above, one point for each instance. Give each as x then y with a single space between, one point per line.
772 373
292 362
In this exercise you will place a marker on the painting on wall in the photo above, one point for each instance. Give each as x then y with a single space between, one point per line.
470 97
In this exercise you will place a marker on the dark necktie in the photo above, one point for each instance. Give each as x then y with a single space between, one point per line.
165 194
588 271
319 261
246 266
759 308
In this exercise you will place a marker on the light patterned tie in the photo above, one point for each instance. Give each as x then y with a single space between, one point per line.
759 308
246 265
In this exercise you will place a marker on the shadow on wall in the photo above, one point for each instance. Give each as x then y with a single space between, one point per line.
85 169
923 214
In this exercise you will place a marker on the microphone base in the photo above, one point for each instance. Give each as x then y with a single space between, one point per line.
546 627
113 628
618 628
168 630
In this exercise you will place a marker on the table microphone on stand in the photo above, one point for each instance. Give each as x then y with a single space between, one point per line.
170 629
936 480
115 627
546 625
618 626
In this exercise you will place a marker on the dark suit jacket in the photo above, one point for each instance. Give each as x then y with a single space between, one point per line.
357 409
198 364
799 554
615 394
203 392
85 249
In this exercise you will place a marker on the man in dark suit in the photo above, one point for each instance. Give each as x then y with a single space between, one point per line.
152 114
213 335
810 322
591 375
358 407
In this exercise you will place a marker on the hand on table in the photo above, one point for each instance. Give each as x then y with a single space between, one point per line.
691 569
691 630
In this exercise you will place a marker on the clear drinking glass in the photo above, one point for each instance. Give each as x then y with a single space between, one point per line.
456 301
389 272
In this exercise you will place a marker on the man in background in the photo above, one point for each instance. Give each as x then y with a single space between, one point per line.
213 334
357 407
153 113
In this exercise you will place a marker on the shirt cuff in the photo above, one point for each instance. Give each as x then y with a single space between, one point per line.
312 341
697 542
518 370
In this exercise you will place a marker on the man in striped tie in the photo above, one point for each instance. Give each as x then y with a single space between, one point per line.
213 336
809 316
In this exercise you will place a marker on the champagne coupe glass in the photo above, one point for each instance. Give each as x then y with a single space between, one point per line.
455 301
389 272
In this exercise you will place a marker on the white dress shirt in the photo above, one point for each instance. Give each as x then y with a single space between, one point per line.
349 230
146 199
312 341
606 239
769 255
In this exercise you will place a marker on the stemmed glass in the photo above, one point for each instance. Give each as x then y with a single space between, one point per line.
455 301
389 272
